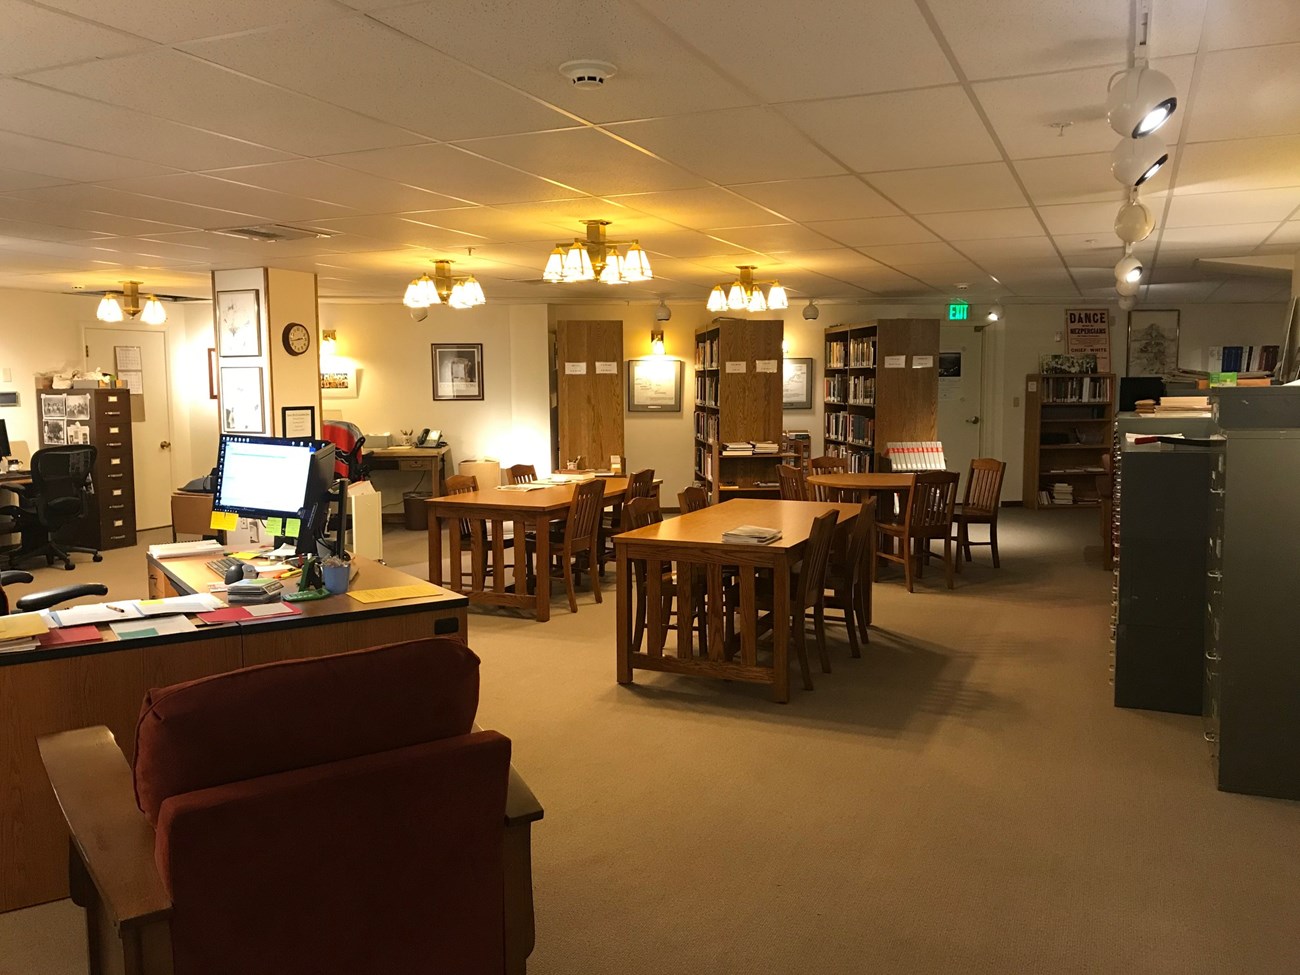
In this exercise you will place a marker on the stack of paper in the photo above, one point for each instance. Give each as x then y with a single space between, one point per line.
20 631
766 447
1062 493
738 448
177 550
751 534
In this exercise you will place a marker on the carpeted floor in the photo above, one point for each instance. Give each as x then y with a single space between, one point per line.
965 798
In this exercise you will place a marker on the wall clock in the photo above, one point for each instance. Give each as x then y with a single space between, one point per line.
297 339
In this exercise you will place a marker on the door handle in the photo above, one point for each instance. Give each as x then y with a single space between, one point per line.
165 445
973 419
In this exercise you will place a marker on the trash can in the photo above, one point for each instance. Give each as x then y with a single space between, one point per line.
416 505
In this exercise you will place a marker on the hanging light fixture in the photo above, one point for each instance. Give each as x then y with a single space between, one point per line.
115 308
443 287
596 258
746 294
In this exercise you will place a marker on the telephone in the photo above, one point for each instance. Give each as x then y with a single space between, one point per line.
423 437
430 438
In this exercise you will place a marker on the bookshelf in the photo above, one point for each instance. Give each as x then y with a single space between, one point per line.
738 398
1068 427
880 386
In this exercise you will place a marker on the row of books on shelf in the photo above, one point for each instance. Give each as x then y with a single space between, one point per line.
704 462
1075 389
854 390
1247 358
750 448
851 427
706 426
706 354
916 455
706 390
1062 493
857 353
859 461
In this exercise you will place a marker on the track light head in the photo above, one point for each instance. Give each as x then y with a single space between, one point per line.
1127 302
419 314
1128 269
1140 100
1134 161
1134 222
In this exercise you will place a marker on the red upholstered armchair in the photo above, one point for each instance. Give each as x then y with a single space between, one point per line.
333 815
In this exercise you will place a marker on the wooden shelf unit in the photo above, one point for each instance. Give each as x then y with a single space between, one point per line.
734 404
1079 411
866 404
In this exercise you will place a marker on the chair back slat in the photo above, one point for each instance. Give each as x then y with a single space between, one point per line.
828 465
461 484
794 486
522 474
983 486
816 557
933 498
693 498
860 537
584 515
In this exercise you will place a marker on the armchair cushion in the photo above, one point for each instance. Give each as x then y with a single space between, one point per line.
299 713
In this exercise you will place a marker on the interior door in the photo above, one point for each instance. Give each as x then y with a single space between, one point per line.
961 385
151 425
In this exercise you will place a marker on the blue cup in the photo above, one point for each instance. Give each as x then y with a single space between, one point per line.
336 578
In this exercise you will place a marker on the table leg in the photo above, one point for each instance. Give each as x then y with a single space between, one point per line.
685 611
717 607
477 554
456 557
498 556
543 612
780 630
623 599
519 575
435 548
654 588
748 618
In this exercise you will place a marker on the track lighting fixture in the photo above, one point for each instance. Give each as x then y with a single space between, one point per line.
1134 222
811 311
1134 161
663 313
1127 302
1140 100
1129 269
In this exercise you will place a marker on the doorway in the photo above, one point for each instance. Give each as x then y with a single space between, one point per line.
961 394
140 357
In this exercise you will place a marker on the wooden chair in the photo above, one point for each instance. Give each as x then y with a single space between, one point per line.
794 486
522 474
639 485
639 513
980 506
828 465
693 498
809 593
849 577
928 516
463 484
580 549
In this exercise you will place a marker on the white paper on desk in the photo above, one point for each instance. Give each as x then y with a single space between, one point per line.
268 609
92 613
201 602
153 626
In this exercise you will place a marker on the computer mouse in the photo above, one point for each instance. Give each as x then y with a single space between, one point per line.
234 574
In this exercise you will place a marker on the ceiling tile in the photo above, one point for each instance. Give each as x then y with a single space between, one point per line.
778 238
396 230
502 224
701 209
69 162
842 262
389 77
877 132
1288 233
112 225
1073 179
657 74
948 275
1251 23
1246 164
108 199
185 89
1247 206
16 179
453 172
876 230
19 233
1022 110
688 244
36 37
1082 218
951 188
220 194
972 224
1247 93
691 141
587 160
835 38
825 198
1002 252
317 180
1227 240
897 255
167 22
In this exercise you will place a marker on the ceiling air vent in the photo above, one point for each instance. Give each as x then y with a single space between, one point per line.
270 232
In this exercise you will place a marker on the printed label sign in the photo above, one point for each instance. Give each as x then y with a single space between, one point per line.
575 368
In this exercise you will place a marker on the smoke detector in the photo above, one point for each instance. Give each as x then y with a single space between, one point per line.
588 74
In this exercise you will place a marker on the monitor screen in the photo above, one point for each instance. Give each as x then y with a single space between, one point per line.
4 440
263 477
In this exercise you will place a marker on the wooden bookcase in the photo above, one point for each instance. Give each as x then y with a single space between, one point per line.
881 386
737 397
1068 424
589 398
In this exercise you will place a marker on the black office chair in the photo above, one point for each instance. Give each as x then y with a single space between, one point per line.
35 601
58 497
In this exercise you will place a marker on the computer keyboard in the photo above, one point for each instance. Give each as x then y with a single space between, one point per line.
222 566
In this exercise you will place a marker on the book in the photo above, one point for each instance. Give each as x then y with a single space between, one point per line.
751 534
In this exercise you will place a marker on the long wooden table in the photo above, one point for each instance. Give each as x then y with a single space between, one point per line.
103 683
533 510
695 539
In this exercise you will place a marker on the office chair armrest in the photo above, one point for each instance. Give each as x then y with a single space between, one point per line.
110 836
52 597
10 577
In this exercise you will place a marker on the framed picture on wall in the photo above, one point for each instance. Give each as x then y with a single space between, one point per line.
242 406
1152 343
796 384
458 371
239 325
298 422
654 385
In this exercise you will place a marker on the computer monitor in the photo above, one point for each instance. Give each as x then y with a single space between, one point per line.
4 441
263 477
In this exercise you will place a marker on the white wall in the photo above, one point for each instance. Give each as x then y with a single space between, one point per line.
39 333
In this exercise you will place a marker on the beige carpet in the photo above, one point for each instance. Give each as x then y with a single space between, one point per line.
965 798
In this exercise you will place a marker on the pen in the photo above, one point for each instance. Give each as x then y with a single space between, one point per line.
116 609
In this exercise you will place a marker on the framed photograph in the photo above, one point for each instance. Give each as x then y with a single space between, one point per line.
1152 343
298 422
239 325
654 385
458 371
242 406
796 384
212 373
340 382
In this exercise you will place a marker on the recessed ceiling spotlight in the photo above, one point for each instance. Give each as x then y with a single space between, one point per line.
1134 161
588 74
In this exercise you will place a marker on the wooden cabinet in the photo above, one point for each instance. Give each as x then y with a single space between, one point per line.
101 418
589 392
738 399
881 386
1068 421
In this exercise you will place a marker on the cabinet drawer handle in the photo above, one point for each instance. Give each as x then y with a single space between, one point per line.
116 507
1211 737
118 444
112 413
1211 655
116 538
1218 491
1215 574
117 475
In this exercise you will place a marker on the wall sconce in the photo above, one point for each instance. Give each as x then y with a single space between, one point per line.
785 348
328 343
657 342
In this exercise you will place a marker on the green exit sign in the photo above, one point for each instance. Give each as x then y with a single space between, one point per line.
958 311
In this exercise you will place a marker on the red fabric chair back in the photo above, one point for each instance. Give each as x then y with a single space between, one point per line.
344 436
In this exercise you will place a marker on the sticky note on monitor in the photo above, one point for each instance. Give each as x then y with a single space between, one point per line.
224 521
292 526
275 526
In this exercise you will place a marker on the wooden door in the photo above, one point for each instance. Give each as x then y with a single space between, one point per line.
961 381
589 375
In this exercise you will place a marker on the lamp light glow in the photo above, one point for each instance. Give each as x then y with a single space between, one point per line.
153 312
636 266
736 297
554 272
612 272
109 310
776 297
473 292
657 342
995 313
1140 100
756 301
1129 269
717 299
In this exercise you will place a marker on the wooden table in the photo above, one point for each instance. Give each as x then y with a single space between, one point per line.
859 484
428 460
695 539
533 510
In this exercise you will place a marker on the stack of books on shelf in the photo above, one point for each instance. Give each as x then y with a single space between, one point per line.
738 448
706 427
706 354
706 390
836 354
1062 493
704 463
751 535
1244 358
1076 389
862 353
766 447
862 390
836 388
920 455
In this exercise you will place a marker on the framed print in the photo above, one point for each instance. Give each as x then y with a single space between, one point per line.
239 326
340 382
298 422
458 371
654 385
212 373
796 384
1152 343
242 407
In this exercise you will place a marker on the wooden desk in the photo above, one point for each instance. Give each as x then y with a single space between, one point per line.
429 460
526 510
77 686
695 539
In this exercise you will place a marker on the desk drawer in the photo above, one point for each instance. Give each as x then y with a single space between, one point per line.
413 464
